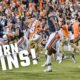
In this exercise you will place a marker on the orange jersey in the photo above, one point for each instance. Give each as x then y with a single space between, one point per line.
35 28
65 30
76 29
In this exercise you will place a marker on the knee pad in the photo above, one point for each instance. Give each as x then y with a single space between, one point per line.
52 50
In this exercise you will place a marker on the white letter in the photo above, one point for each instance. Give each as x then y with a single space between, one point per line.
34 56
12 59
24 56
6 49
3 63
14 48
1 52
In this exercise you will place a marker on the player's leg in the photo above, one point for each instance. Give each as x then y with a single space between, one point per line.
58 53
33 52
48 62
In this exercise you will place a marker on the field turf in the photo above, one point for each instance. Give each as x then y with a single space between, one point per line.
67 70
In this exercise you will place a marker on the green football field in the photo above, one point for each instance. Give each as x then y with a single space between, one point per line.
67 70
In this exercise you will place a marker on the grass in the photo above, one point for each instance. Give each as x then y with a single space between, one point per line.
67 70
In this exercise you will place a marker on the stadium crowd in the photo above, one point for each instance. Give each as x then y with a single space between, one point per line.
35 24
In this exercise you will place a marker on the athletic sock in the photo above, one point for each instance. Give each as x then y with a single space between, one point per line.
49 62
